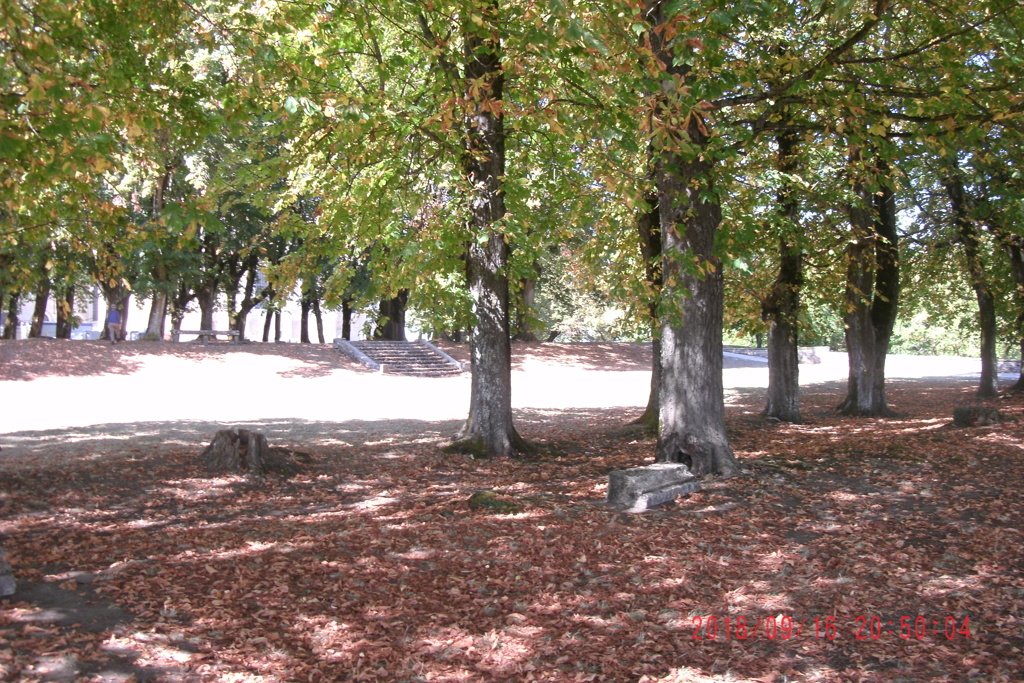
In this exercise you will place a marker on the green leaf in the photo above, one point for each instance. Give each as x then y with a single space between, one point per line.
10 146
675 8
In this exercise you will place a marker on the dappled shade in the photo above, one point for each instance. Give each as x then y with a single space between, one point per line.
373 561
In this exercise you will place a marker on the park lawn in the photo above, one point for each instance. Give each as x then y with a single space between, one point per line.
850 549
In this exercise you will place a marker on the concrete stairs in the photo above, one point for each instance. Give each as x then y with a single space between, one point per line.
416 359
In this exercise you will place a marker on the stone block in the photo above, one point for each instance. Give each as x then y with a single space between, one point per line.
641 488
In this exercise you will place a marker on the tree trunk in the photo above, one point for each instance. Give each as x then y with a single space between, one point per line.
179 306
1019 384
35 329
1014 246
968 236
206 296
318 316
346 319
268 319
304 306
391 325
249 301
116 297
872 295
158 307
157 316
488 431
123 307
11 322
692 404
238 451
524 310
277 326
781 309
66 314
231 299
648 226
781 312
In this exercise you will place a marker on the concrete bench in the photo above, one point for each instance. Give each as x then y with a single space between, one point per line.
205 335
642 488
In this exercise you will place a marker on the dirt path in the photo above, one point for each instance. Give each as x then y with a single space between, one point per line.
88 398
91 397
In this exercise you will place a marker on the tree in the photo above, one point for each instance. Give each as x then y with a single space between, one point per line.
969 237
781 308
872 285
488 429
692 417
648 227
391 324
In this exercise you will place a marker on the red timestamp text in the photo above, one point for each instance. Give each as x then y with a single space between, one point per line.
732 627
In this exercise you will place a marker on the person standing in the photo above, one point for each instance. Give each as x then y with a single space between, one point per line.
114 324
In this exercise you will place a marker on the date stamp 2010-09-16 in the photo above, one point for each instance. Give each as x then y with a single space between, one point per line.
713 627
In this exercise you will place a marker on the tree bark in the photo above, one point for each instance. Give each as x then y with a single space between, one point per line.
236 451
116 297
1019 384
692 404
318 316
277 326
159 305
872 296
346 320
157 316
1014 246
35 329
206 297
781 312
250 301
179 306
527 299
304 306
391 326
66 314
11 321
648 227
488 431
967 233
268 320
781 309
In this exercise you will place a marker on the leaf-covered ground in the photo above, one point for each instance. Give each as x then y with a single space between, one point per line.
851 549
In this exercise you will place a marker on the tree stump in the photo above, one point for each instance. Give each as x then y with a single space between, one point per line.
975 416
243 451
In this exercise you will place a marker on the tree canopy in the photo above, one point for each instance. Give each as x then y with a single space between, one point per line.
817 168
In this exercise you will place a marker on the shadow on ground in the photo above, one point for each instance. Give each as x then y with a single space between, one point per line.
373 564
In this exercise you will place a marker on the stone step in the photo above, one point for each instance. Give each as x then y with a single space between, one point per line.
394 357
404 358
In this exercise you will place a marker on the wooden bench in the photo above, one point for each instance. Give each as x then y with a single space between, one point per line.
204 335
